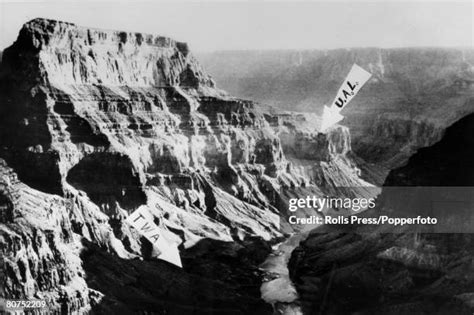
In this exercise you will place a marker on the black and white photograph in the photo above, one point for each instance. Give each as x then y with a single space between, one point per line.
308 157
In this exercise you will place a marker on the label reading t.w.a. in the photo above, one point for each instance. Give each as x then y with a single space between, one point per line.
356 78
142 221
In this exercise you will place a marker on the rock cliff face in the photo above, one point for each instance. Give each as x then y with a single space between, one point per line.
414 93
379 272
95 124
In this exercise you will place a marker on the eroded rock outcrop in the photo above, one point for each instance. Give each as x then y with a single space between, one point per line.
99 123
413 92
393 270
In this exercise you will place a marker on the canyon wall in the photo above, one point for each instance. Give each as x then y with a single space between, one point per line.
95 124
414 93
394 270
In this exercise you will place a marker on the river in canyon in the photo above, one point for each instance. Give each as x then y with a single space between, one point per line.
278 289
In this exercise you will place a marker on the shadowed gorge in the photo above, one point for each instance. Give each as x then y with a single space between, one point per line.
96 124
156 286
412 273
108 178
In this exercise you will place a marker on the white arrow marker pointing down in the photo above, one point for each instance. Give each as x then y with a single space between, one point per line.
356 78
142 220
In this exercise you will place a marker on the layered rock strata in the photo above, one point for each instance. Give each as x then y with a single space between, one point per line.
413 95
96 124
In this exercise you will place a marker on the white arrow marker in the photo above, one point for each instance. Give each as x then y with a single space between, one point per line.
356 78
142 220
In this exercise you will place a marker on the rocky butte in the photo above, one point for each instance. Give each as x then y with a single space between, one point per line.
413 95
96 124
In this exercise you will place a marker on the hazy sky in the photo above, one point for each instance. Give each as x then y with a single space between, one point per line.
262 24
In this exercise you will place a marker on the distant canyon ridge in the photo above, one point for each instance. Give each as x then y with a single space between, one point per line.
413 95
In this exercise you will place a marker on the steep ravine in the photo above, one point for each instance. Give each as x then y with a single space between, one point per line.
95 124
374 271
278 289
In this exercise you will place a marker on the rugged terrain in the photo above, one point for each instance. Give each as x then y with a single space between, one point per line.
395 271
95 124
413 95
